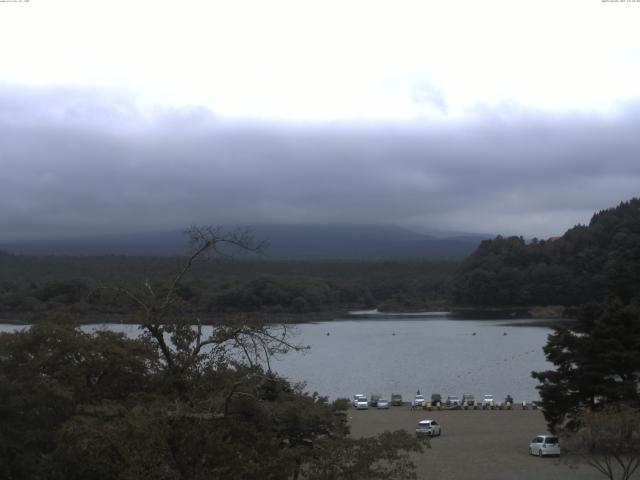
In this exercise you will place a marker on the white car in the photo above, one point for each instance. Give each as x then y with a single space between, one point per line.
430 428
357 397
488 401
419 401
544 445
360 402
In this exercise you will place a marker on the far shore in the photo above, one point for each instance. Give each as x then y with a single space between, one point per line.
536 314
132 319
532 311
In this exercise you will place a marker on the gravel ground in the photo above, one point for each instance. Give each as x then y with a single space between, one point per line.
475 444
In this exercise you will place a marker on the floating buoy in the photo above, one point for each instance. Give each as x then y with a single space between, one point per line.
394 333
504 333
328 334
473 333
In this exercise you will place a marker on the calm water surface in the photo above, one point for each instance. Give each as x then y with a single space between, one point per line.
433 354
402 354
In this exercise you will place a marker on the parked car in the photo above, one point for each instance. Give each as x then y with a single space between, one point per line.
374 400
357 398
382 403
429 428
488 401
361 403
453 401
419 401
544 445
468 399
435 398
396 399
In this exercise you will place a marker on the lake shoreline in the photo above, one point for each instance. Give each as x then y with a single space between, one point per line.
528 311
132 319
535 313
385 355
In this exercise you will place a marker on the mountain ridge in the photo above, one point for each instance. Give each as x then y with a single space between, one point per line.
285 242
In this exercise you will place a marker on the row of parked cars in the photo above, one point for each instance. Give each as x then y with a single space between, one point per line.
467 400
455 402
361 402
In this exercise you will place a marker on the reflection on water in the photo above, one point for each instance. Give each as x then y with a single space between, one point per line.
398 354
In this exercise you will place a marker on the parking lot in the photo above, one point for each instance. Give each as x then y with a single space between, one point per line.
475 444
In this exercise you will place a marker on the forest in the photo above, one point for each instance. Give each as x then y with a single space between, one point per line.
588 263
85 286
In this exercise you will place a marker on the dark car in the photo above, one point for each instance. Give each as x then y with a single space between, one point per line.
396 399
374 400
435 398
468 400
453 402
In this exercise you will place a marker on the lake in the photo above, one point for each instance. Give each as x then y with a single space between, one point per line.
435 353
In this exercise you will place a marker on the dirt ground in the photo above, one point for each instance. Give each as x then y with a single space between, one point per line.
475 444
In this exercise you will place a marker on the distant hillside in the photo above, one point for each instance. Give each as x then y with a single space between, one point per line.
586 264
286 242
32 287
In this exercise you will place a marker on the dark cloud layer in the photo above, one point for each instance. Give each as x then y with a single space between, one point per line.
86 162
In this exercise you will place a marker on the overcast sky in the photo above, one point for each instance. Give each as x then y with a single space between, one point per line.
495 117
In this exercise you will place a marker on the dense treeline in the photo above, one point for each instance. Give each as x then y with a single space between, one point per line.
586 264
82 285
592 396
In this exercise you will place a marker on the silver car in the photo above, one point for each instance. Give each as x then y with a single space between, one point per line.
429 428
544 445
453 402
382 403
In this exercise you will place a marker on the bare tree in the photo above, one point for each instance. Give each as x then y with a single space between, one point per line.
180 339
608 440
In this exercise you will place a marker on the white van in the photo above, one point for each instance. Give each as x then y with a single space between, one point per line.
544 445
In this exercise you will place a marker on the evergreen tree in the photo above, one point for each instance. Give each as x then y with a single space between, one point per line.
597 363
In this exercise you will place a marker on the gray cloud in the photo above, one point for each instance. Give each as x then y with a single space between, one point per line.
85 162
